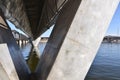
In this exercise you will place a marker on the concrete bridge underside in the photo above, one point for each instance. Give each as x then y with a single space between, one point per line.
71 47
32 17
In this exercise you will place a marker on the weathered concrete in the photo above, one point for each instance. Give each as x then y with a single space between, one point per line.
83 39
7 69
14 11
18 60
3 74
32 17
56 39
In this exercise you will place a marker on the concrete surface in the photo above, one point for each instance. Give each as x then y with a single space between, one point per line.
7 69
83 39
56 39
16 55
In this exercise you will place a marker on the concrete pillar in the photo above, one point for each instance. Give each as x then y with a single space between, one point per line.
20 41
83 39
16 55
6 73
56 39
77 49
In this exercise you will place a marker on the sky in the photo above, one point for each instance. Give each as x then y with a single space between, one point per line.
14 28
48 32
45 34
113 29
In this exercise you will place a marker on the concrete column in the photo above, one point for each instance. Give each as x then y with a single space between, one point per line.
15 53
83 39
56 39
6 73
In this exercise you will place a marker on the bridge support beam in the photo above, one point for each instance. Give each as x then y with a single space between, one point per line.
56 39
7 69
83 39
76 47
15 53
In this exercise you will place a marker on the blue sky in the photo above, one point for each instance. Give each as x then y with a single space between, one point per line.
14 28
46 34
113 29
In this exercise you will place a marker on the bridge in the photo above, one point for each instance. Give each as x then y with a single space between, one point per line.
111 39
79 28
20 38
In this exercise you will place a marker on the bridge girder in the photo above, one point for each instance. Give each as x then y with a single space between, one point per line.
32 17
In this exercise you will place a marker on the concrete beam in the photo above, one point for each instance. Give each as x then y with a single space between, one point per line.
56 39
7 69
83 38
15 52
60 3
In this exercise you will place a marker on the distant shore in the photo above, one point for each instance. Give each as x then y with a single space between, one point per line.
111 39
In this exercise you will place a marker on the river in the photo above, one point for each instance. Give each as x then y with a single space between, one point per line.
106 65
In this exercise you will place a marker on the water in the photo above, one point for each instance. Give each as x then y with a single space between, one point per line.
106 65
26 49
